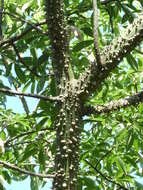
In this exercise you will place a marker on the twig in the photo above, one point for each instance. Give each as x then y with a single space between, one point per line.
95 32
18 169
103 157
23 101
105 2
25 134
25 105
9 41
107 178
25 21
50 98
22 61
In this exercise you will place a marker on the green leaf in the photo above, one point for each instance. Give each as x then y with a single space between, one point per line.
6 176
41 158
82 45
89 183
88 31
131 60
122 164
43 58
41 123
20 73
34 183
34 52
33 87
40 84
130 140
29 151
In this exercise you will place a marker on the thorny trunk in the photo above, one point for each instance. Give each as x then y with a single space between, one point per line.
68 139
73 92
68 119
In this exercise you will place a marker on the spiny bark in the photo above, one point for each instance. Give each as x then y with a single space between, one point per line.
58 35
68 119
74 93
68 139
112 55
133 100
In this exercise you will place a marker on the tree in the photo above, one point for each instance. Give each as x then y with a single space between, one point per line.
83 61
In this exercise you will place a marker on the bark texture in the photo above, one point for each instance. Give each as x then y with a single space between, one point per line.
74 92
68 120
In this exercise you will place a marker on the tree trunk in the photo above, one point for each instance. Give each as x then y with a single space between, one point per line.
67 141
69 118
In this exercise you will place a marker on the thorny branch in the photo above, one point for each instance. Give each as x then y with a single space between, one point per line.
12 92
115 105
107 178
112 55
18 169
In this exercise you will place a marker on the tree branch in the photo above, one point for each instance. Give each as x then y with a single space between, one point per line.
23 101
18 169
50 98
25 134
111 56
105 2
25 21
107 178
115 105
8 42
105 155
25 105
95 32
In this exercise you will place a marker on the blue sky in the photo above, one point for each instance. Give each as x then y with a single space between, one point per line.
25 185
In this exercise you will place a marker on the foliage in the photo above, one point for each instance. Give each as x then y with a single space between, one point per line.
111 142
